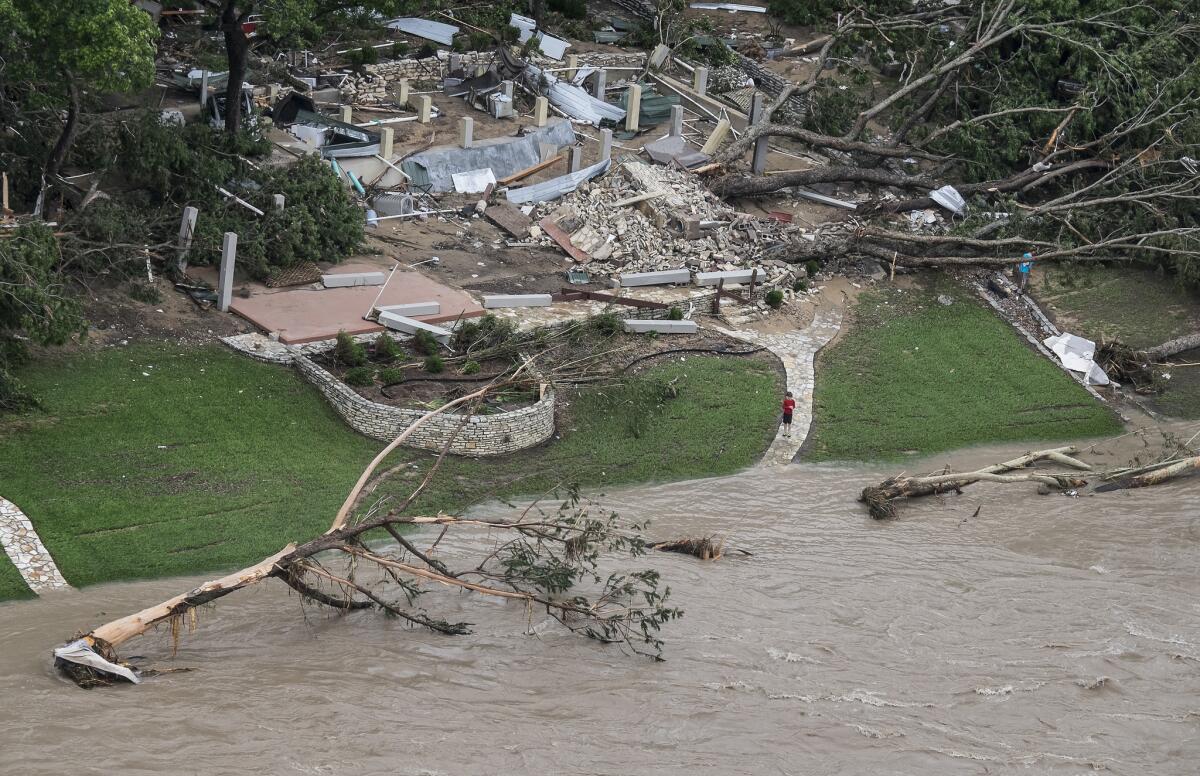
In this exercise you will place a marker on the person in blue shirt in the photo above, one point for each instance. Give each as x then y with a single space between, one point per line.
1023 269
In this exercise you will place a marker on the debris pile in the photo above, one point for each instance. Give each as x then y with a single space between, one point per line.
646 218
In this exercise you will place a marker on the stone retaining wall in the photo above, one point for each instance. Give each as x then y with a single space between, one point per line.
482 435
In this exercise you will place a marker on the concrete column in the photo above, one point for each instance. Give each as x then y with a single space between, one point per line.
225 277
717 137
466 131
700 80
572 66
633 107
455 63
386 142
541 109
758 162
403 96
601 83
606 144
347 114
676 120
575 161
187 227
280 201
424 108
203 88
506 88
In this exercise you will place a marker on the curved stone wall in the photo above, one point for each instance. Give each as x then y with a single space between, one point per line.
483 435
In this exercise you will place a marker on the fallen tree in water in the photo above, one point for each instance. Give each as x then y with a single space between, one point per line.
548 560
1178 461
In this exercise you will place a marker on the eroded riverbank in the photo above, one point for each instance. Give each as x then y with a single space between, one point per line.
1050 633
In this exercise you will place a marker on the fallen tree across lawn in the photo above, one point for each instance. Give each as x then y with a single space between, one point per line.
547 560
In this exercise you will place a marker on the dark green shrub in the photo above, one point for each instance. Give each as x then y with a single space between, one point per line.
774 298
366 55
391 375
572 9
812 268
347 352
359 376
800 285
143 292
485 332
606 324
434 365
424 343
470 368
675 314
386 348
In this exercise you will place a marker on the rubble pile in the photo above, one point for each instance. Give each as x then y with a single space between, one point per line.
677 223
375 83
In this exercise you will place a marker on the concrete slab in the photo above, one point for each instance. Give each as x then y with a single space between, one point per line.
410 310
350 279
661 327
306 314
656 278
408 325
730 276
493 301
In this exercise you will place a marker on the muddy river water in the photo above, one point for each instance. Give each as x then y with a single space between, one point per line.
1046 635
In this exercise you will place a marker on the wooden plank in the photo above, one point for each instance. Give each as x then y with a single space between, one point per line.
552 229
509 218
516 176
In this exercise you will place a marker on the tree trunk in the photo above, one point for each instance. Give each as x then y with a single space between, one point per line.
1174 347
751 185
58 154
237 51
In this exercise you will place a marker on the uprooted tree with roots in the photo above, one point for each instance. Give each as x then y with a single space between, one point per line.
552 560
1071 129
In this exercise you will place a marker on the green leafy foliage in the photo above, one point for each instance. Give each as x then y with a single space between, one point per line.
482 333
572 9
434 364
385 348
470 368
606 324
675 314
391 375
359 376
424 343
774 299
349 352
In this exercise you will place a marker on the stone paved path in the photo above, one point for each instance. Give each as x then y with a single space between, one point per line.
26 550
797 350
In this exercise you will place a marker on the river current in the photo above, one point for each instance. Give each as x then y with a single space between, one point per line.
1045 635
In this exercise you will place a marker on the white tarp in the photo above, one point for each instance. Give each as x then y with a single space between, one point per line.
553 47
474 181
556 187
1077 354
423 28
731 7
572 100
80 652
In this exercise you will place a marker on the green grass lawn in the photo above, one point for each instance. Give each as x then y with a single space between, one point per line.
721 421
11 584
155 460
912 376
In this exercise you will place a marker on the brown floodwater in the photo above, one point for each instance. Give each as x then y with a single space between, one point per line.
1047 635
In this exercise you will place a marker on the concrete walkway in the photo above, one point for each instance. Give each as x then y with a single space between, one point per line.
26 550
797 350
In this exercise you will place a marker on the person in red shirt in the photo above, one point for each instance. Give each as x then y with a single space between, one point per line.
789 406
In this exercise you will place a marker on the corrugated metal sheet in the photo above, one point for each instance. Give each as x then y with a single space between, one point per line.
572 100
556 187
731 7
423 28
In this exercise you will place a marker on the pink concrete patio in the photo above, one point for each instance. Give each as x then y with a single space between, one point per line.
306 314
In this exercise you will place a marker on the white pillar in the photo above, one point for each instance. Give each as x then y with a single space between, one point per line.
466 130
347 114
676 120
700 80
541 109
758 162
575 161
717 137
280 201
633 107
225 277
506 88
403 95
386 141
203 88
572 66
187 227
424 108
601 83
606 144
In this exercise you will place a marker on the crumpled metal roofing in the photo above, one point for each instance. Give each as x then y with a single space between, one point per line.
423 28
572 100
556 187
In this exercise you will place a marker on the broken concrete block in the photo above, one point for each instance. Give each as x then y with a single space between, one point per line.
633 108
601 83
492 301
424 108
387 139
606 144
541 109
661 327
676 120
412 308
408 325
351 279
734 276
666 277
466 131
700 80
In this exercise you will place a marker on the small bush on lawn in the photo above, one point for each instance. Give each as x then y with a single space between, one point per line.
470 368
391 375
424 343
386 348
360 376
434 365
774 299
347 352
